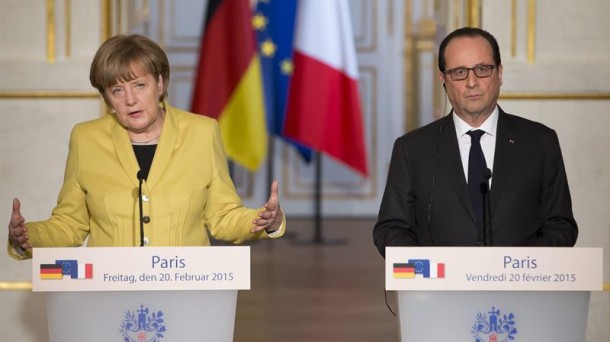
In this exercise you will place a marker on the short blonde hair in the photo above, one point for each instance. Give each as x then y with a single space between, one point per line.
113 62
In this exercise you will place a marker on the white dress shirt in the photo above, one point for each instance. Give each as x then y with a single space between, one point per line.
488 140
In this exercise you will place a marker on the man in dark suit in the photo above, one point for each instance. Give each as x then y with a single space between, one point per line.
442 191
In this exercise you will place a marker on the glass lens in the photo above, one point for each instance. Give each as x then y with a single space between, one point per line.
480 71
483 70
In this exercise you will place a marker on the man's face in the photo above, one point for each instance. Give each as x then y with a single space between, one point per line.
472 97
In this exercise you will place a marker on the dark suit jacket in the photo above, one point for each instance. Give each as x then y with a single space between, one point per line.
426 200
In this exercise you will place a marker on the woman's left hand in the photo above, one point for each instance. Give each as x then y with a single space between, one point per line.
270 218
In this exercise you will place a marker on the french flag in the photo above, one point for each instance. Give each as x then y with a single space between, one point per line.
324 110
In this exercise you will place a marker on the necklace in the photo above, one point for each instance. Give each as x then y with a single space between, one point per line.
149 142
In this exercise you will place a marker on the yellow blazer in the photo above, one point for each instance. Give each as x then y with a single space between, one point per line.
188 191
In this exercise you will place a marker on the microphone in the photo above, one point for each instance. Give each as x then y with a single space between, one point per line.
140 176
487 237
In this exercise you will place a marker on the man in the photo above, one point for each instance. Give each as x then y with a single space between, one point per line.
438 190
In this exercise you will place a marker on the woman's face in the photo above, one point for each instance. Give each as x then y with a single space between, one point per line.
136 102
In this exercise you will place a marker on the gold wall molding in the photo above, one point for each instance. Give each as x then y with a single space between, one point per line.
473 15
106 28
531 30
51 30
513 28
51 94
409 69
15 286
68 26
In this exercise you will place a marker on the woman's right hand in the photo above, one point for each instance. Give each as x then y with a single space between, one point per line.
17 232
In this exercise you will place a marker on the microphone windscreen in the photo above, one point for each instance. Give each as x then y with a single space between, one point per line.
487 174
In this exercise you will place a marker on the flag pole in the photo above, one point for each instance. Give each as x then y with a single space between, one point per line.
270 170
317 236
270 162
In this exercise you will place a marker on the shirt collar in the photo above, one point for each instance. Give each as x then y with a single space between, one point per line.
489 126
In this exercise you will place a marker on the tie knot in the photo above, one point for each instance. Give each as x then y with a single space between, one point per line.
475 135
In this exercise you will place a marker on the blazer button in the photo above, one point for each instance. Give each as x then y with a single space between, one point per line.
146 219
145 198
146 241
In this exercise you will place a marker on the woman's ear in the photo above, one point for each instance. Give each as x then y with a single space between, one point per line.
160 87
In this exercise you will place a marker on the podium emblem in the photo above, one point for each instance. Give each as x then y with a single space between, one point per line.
143 325
495 328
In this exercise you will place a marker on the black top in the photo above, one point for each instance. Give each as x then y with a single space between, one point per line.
144 155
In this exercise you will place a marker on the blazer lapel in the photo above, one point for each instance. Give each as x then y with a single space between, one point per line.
504 159
165 148
451 164
124 151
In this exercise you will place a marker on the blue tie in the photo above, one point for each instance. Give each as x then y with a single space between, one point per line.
476 173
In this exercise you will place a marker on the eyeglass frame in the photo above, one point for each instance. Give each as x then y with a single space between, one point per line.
490 66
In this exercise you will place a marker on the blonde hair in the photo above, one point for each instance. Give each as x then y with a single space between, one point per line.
113 62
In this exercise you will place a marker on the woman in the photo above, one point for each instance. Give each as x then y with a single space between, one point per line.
186 190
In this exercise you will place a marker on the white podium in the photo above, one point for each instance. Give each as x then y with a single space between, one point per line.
141 294
493 294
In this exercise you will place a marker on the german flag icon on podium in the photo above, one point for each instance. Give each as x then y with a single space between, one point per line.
404 271
51 271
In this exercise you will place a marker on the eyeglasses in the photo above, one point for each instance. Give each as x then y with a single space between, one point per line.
481 71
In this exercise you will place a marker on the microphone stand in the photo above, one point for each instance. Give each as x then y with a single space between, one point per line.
487 238
140 179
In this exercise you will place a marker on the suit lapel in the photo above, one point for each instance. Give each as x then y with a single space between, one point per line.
451 164
504 159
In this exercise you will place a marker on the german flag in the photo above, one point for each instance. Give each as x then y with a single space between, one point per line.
228 85
51 271
406 271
